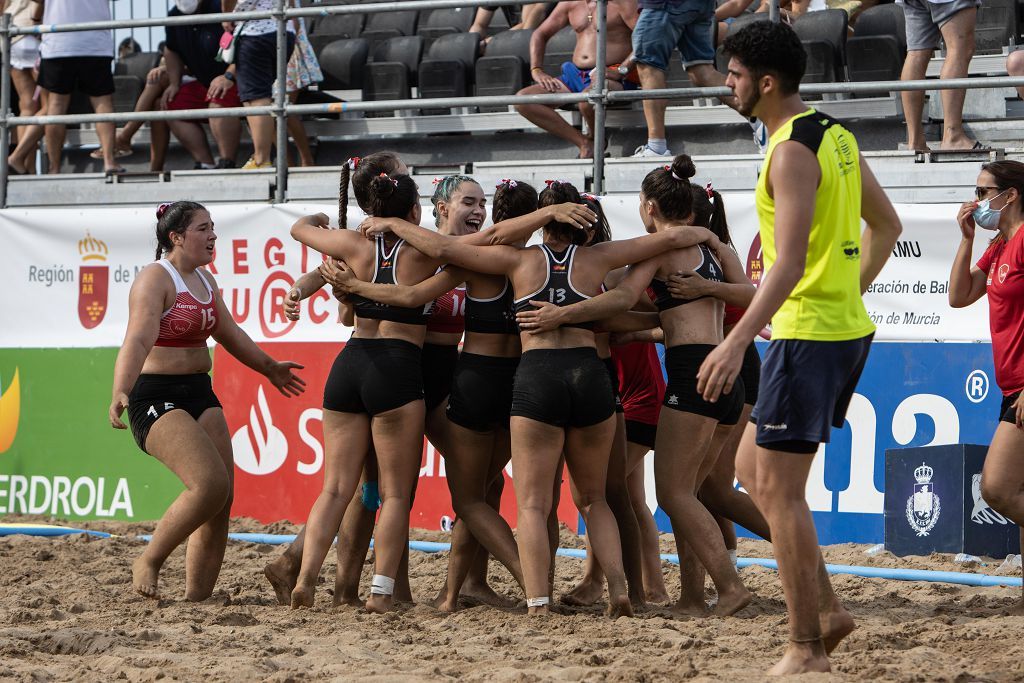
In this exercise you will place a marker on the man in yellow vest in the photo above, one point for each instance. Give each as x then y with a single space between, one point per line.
814 188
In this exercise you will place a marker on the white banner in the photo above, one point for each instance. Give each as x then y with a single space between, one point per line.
67 272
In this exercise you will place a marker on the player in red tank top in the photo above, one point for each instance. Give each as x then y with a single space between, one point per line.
162 378
999 275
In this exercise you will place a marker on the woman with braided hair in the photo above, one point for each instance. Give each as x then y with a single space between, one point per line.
691 431
162 377
562 396
480 402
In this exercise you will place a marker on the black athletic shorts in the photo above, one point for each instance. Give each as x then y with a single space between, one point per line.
563 387
481 397
806 387
374 376
153 396
1007 413
681 364
256 64
641 433
751 374
613 375
439 361
63 75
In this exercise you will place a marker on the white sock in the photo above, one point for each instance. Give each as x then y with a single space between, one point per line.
659 145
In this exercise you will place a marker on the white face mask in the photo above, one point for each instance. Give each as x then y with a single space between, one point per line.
187 6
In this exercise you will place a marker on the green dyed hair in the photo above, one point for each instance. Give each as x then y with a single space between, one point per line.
443 191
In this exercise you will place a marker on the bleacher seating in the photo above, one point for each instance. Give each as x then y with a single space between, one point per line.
823 34
440 22
877 49
326 30
381 26
393 71
447 70
504 70
559 50
343 63
996 25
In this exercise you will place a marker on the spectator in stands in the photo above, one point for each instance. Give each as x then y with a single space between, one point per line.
576 75
532 16
256 62
72 60
208 84
303 71
927 21
127 48
1015 67
159 133
663 26
24 56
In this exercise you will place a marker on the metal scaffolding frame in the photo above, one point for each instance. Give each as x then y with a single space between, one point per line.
598 96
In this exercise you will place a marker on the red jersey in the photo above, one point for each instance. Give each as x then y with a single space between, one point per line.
1003 262
448 313
733 315
641 382
189 322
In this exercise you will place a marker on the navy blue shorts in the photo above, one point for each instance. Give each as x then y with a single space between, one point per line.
1007 413
256 65
806 387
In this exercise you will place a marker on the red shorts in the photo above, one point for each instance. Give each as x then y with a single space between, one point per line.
192 95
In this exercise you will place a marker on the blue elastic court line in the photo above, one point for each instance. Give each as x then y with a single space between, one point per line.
961 578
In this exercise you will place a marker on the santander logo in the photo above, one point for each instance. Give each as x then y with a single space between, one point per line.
260 447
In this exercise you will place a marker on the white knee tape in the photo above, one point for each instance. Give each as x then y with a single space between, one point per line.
538 602
382 585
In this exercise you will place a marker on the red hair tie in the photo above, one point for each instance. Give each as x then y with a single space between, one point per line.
506 181
711 192
353 163
162 209
436 180
385 175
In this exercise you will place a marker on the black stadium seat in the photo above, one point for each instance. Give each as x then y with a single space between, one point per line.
823 34
441 22
559 50
380 26
878 47
334 27
344 64
138 65
393 71
126 92
447 70
504 69
996 24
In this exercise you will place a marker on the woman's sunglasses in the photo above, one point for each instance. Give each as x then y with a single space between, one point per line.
981 190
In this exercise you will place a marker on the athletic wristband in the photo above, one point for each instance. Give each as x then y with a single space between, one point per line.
538 602
382 585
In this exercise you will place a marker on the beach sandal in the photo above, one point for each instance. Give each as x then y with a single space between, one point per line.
117 170
119 153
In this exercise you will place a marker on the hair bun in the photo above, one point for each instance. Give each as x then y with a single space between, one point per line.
683 168
162 209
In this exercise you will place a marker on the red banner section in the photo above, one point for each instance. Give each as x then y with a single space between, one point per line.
278 444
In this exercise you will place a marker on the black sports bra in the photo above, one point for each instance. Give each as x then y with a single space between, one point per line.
384 274
557 287
492 316
709 269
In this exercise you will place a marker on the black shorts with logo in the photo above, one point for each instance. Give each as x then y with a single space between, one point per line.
63 75
806 387
563 387
1007 413
681 364
374 376
153 396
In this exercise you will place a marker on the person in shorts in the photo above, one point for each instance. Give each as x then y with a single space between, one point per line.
198 81
69 61
998 276
813 192
929 22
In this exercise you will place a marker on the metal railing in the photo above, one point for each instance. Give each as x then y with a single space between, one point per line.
599 96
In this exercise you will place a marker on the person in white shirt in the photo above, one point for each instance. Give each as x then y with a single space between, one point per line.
68 61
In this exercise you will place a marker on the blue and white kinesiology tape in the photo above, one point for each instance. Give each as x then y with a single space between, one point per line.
538 602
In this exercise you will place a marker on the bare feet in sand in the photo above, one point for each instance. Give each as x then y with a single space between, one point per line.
485 595
347 600
302 596
145 577
687 608
619 607
444 603
834 627
585 594
731 603
379 604
801 658
282 573
657 596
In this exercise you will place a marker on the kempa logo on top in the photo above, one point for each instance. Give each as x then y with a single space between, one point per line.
93 281
10 411
923 506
